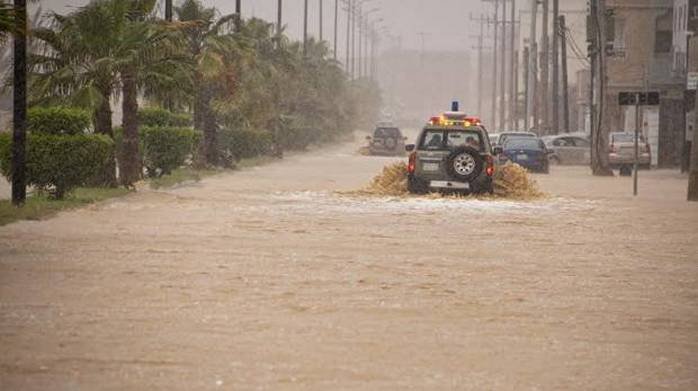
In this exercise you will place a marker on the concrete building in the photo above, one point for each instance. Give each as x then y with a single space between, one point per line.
640 45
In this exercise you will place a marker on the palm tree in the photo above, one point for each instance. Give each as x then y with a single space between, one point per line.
210 43
106 44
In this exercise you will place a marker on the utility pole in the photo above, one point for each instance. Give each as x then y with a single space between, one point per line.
19 116
592 38
525 81
366 51
515 90
168 10
565 86
336 20
513 76
480 71
531 71
544 68
693 170
503 69
359 57
353 39
305 28
556 67
321 17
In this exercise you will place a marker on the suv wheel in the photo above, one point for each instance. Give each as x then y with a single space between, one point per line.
464 163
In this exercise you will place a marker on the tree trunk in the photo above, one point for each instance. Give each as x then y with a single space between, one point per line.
19 137
129 162
205 121
103 125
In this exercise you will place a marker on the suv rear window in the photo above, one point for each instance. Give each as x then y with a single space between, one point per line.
445 139
387 132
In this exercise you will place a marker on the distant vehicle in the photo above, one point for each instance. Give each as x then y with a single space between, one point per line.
568 149
528 152
503 136
451 157
621 150
386 140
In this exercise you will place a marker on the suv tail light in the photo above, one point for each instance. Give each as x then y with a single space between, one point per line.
412 163
489 170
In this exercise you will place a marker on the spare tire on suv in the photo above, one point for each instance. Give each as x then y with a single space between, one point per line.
464 163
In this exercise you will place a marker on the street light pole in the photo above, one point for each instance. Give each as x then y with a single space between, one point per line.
279 11
320 12
238 15
336 19
168 10
19 91
305 27
347 59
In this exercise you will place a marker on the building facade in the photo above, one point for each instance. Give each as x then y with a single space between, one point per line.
640 45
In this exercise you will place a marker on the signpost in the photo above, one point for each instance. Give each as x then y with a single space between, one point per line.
637 99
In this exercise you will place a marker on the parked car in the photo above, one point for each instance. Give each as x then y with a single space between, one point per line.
621 150
568 149
528 152
451 158
503 136
386 140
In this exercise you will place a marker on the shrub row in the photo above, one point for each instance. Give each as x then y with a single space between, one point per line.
243 144
58 120
163 148
58 163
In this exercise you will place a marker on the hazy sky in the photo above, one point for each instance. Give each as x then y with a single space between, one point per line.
445 23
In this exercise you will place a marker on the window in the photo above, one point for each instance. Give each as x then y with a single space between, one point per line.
580 142
619 34
438 139
662 42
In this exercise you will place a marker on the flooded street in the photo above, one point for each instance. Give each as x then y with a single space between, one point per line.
273 278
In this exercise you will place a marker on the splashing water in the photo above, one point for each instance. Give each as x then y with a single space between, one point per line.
510 181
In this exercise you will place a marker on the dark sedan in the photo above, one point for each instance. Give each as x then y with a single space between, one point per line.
527 152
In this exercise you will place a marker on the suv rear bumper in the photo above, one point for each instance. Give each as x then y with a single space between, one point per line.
482 184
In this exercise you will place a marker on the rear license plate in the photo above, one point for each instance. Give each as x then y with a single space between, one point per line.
450 185
430 166
521 156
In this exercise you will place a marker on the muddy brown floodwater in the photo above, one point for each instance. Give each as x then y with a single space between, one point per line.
270 279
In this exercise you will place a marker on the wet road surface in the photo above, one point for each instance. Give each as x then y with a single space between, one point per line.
269 279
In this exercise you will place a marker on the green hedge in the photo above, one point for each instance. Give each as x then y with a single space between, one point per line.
58 164
58 120
164 149
155 116
244 144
